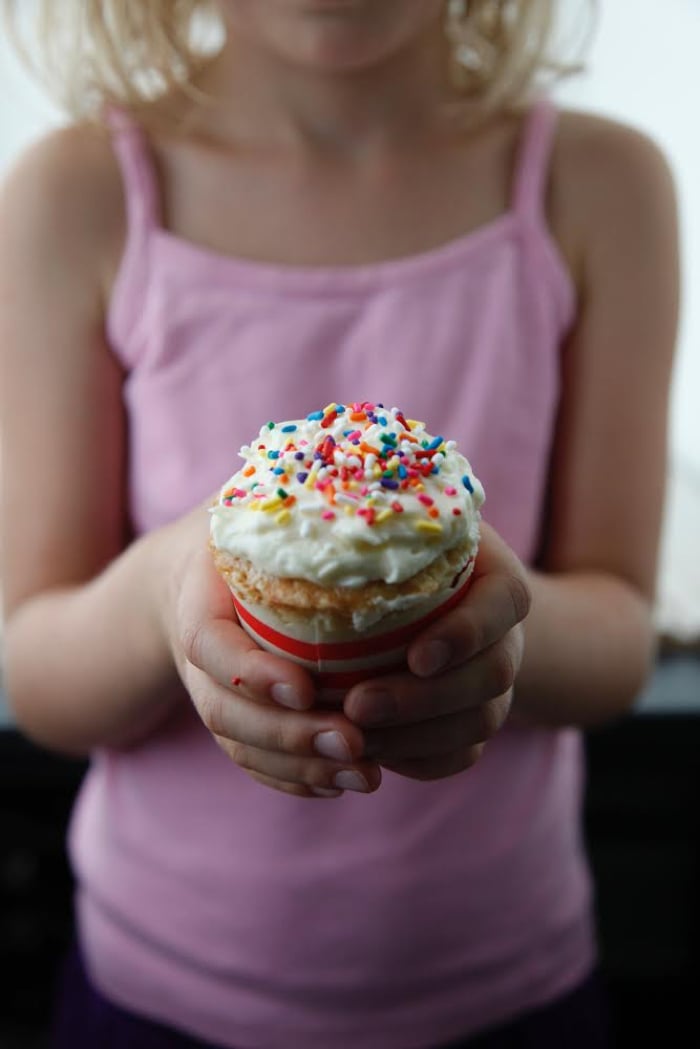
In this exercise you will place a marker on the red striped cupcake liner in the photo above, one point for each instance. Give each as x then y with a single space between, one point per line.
339 662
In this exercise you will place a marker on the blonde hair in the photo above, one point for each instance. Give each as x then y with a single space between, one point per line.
129 52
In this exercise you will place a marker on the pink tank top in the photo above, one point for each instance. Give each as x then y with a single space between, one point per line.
424 912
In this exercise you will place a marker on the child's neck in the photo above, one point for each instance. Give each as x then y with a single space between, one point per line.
262 99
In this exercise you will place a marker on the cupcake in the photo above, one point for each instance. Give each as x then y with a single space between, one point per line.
343 535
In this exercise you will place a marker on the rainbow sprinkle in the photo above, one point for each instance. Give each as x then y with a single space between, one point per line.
359 460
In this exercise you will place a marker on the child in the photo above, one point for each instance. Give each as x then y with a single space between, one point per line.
349 200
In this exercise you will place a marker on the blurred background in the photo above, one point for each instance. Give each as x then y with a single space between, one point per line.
643 804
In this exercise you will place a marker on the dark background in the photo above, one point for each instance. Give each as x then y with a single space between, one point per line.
643 829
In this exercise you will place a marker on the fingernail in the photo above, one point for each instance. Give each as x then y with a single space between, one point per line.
286 695
431 658
332 745
346 779
326 792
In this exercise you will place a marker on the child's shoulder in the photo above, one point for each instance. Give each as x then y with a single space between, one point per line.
64 191
606 176
592 148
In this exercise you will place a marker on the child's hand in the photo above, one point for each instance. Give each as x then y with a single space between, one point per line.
257 705
432 722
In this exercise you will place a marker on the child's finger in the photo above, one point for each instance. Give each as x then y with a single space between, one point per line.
440 767
298 789
308 775
403 698
317 751
438 737
496 601
211 639
246 722
224 651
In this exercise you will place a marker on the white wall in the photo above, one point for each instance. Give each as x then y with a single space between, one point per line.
25 110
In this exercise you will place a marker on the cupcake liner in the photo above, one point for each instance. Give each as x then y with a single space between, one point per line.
340 658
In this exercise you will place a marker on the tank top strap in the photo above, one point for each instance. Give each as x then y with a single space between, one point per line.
532 165
143 216
141 191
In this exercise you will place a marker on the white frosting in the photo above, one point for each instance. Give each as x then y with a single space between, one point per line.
348 495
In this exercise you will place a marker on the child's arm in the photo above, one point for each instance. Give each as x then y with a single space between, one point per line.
589 635
87 658
82 660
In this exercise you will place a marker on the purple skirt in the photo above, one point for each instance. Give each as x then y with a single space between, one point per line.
84 1019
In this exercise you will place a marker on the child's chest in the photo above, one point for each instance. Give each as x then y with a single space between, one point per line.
292 210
